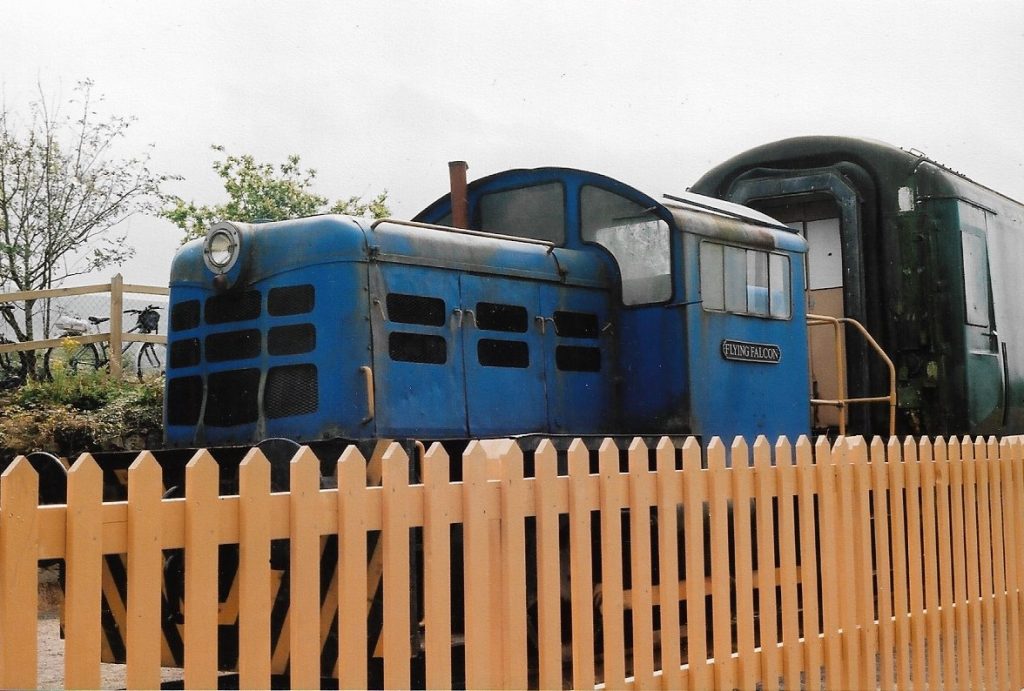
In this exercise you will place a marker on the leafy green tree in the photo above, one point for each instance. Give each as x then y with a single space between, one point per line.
264 192
63 190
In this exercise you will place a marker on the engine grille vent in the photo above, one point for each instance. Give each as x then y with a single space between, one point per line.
233 345
185 353
231 398
291 340
184 398
290 300
233 307
185 315
291 390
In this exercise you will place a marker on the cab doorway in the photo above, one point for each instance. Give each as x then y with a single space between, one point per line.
818 222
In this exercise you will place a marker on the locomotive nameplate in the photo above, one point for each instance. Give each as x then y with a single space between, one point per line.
742 351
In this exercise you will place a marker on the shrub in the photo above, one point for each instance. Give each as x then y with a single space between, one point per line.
81 413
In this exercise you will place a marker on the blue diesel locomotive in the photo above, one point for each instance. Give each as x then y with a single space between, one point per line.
543 302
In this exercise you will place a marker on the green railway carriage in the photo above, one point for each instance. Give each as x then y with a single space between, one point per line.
926 258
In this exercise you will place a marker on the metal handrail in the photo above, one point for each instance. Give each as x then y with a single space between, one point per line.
842 402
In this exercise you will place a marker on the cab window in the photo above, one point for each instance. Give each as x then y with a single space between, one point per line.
744 281
637 239
536 212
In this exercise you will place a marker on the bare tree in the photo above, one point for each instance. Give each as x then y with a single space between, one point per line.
63 189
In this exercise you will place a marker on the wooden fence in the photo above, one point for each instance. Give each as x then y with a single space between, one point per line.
855 565
115 334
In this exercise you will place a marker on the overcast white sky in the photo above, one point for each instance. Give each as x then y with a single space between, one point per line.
381 95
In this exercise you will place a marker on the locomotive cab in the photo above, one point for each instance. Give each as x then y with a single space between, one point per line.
688 360
571 304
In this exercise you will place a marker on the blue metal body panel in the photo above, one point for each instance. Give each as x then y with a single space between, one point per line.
503 398
730 397
654 364
581 400
413 396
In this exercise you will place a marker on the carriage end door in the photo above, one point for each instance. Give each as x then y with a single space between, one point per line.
984 361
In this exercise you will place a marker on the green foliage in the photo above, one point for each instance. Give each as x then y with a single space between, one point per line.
74 414
264 192
64 189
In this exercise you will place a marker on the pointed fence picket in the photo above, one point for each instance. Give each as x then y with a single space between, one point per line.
795 565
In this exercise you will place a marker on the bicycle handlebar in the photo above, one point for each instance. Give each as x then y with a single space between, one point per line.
148 308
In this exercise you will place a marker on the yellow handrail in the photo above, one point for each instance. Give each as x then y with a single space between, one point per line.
842 402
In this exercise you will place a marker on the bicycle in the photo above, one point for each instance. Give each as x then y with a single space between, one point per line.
12 365
12 369
87 357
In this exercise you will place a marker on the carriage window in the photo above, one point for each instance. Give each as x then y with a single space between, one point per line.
637 239
742 281
975 279
536 212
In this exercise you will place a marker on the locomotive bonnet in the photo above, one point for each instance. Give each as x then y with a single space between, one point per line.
568 304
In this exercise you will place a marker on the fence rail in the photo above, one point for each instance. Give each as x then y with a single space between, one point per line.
851 565
116 336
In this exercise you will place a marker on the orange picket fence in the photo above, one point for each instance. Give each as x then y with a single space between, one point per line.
845 565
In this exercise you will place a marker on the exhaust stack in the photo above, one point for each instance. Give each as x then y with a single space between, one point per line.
460 203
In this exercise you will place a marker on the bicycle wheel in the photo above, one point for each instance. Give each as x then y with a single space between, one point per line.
47 358
12 372
149 361
85 358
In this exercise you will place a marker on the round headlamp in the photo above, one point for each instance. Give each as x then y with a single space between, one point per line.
222 247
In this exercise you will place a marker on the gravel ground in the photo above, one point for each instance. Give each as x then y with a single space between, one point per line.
51 647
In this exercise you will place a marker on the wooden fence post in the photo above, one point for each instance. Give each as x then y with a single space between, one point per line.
669 492
116 324
254 648
477 567
19 537
695 488
84 575
611 489
721 585
513 571
145 572
641 499
396 575
437 550
202 482
582 499
549 615
304 561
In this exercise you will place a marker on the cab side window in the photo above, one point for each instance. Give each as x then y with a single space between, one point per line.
744 281
637 239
